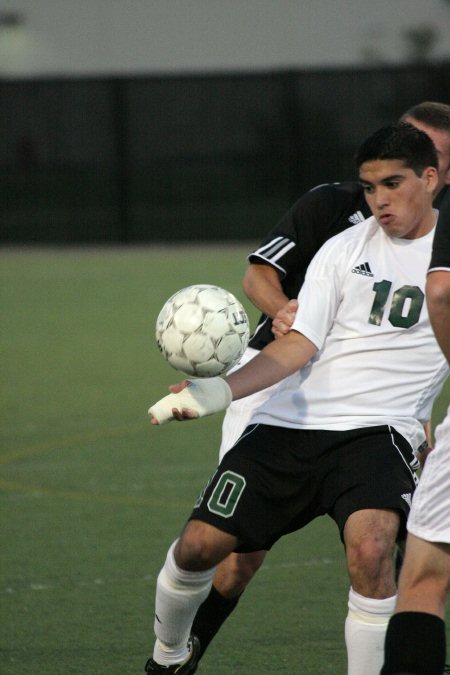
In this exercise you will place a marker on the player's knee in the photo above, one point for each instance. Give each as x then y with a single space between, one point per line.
194 553
370 540
369 552
369 562
202 546
236 571
247 564
426 581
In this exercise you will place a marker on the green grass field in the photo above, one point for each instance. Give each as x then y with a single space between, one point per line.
92 495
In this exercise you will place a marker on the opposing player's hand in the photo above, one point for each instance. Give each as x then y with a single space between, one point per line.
284 319
190 399
422 456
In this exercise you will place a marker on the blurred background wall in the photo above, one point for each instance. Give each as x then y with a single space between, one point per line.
178 120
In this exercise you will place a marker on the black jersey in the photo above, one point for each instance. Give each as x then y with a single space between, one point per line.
440 258
318 215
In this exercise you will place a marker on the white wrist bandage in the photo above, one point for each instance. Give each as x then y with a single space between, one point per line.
204 396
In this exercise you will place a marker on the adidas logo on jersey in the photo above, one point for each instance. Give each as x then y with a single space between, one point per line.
408 499
356 218
363 269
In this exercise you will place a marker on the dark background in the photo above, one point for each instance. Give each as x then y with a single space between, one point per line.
186 158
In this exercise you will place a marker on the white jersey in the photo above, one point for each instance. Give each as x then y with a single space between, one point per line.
363 305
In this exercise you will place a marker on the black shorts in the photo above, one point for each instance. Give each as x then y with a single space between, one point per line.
277 480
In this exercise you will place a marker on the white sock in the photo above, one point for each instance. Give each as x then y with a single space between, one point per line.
365 629
178 596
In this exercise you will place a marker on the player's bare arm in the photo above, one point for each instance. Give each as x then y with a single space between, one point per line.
261 284
438 301
277 360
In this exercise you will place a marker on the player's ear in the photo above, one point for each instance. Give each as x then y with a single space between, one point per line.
430 175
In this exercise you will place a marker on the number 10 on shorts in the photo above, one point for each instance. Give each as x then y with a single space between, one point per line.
226 494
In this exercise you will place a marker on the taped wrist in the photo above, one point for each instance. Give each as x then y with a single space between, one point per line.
204 396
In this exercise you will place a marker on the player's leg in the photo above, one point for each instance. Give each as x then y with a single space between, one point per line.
399 556
236 571
232 576
424 583
375 481
235 500
182 585
419 616
369 537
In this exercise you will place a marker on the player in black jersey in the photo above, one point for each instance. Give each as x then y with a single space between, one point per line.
288 249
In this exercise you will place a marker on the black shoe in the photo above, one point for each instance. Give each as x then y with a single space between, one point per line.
187 668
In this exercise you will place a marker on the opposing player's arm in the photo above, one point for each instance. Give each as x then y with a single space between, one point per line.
438 301
262 285
205 397
428 432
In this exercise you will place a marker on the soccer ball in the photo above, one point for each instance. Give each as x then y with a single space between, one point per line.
202 330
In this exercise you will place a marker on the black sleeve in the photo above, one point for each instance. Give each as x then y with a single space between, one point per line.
290 246
314 218
440 257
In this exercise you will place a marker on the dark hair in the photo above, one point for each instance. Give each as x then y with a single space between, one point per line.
432 113
399 141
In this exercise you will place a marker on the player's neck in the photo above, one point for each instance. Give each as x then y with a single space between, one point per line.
426 225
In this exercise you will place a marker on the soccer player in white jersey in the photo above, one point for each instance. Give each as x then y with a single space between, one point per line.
275 273
362 368
424 583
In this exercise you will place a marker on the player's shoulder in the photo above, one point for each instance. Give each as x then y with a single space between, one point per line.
440 258
348 240
339 192
331 202
340 188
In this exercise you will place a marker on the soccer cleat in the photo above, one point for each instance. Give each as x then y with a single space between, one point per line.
187 668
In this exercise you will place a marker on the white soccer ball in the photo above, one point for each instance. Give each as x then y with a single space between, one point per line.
202 330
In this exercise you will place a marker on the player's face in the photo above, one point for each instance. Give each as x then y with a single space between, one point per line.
441 140
400 200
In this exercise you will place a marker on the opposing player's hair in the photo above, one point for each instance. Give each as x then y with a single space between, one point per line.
399 141
431 113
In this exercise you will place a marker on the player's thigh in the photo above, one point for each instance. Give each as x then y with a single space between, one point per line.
264 487
373 473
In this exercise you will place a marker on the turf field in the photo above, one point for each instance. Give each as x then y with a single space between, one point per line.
91 495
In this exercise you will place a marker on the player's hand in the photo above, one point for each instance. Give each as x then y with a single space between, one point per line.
184 413
190 399
422 455
284 319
